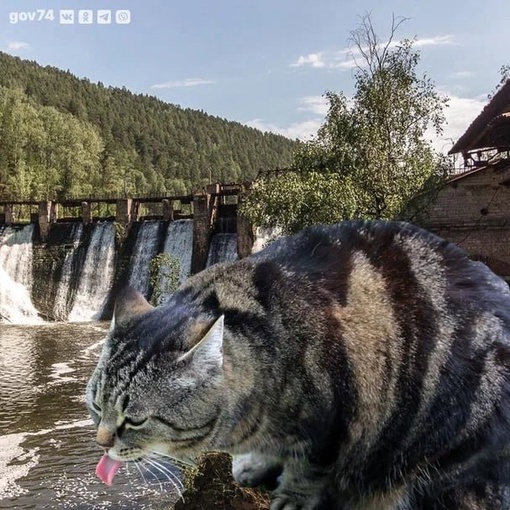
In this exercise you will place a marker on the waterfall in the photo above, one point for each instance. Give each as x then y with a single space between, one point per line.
16 275
179 244
264 237
145 249
75 266
223 249
97 274
64 290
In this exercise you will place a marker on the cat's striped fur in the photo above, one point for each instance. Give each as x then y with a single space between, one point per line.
364 365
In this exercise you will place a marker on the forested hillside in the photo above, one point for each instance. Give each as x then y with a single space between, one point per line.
61 135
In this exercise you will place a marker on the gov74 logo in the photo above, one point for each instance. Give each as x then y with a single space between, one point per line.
31 16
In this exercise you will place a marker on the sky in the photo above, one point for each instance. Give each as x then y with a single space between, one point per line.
264 63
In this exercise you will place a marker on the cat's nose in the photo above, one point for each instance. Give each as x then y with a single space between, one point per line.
105 437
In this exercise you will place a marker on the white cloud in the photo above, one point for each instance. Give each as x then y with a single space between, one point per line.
327 60
459 115
189 82
15 47
315 108
314 104
301 130
438 40
312 60
349 58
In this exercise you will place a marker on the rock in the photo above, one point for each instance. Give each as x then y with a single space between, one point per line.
210 486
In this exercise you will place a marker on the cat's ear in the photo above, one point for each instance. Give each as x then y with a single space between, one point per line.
209 350
128 305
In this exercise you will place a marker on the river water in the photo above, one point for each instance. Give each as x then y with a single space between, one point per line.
47 442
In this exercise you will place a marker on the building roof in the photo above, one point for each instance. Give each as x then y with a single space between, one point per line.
494 114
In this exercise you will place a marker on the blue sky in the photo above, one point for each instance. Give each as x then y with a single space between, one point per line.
260 62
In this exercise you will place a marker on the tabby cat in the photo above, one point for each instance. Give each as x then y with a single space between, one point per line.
364 365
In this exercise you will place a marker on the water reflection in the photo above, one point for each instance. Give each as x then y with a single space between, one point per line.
47 450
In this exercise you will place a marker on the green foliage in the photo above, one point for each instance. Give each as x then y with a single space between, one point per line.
44 152
371 152
59 130
293 200
164 271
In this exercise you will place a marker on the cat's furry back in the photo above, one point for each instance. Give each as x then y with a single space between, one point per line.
364 365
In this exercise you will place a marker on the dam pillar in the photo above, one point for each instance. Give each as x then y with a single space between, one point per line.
136 210
245 231
245 236
201 232
46 217
54 212
168 209
86 213
9 214
123 212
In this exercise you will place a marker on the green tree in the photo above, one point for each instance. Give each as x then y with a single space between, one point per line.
147 143
291 200
43 151
372 151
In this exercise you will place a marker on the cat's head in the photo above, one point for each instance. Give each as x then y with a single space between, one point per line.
157 386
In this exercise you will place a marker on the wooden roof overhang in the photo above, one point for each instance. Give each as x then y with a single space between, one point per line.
489 132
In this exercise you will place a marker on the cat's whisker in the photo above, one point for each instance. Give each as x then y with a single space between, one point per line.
168 474
137 464
175 480
175 477
175 460
144 463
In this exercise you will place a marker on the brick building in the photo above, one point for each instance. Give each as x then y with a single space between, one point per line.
473 210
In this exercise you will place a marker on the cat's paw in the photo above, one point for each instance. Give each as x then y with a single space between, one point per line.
253 470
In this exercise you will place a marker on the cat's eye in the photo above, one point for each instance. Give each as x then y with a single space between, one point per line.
135 424
96 408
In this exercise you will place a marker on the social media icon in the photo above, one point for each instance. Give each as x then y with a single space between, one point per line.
85 17
66 16
104 17
123 17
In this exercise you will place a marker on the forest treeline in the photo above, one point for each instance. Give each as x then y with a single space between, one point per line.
65 136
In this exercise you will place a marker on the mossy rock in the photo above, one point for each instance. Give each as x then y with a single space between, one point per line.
210 486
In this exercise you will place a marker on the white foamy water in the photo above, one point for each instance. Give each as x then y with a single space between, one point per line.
16 304
59 373
145 249
264 237
11 450
97 275
60 307
179 244
16 275
223 249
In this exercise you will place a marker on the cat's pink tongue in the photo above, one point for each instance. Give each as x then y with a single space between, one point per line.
107 468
